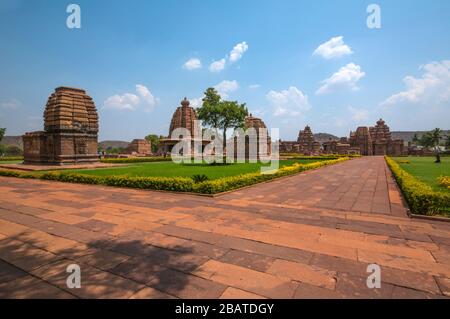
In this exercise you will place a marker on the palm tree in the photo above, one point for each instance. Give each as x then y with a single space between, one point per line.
435 138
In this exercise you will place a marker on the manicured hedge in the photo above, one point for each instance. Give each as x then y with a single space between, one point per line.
135 160
422 199
177 184
444 181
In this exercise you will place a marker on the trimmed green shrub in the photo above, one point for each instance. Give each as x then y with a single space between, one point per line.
422 199
444 181
198 178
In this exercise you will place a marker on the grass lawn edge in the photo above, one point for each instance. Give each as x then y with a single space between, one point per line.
422 199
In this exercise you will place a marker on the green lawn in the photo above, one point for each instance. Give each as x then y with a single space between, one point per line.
11 162
425 169
170 169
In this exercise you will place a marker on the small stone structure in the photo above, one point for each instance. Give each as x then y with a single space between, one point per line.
70 131
376 140
336 147
139 147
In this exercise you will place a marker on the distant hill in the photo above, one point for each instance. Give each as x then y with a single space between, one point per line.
407 136
324 137
13 140
113 144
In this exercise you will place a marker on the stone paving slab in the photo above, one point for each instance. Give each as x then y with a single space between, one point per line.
310 235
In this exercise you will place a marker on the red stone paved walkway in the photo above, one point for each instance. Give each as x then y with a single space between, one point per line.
307 236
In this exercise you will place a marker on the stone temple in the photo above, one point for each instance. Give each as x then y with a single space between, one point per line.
305 144
258 151
70 133
183 117
376 140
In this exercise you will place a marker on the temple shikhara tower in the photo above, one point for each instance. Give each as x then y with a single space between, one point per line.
70 130
306 141
305 144
183 117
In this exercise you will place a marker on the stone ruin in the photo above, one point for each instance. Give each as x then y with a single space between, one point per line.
376 140
305 144
340 147
139 147
70 133
361 140
366 141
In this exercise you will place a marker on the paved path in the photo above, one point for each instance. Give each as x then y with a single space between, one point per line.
309 235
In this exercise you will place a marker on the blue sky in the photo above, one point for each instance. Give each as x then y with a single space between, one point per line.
131 58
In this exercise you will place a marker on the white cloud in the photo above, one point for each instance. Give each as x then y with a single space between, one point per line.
217 66
358 114
346 78
333 48
147 98
11 104
254 86
126 101
290 102
130 101
235 55
434 85
238 51
225 87
192 64
196 102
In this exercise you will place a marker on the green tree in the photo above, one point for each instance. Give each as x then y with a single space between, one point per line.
447 142
220 114
415 139
13 150
432 140
233 116
2 133
209 113
2 147
154 140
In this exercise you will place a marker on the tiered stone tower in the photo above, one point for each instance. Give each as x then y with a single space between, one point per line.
70 130
381 137
306 141
184 116
362 140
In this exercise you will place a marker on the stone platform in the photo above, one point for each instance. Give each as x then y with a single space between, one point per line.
310 235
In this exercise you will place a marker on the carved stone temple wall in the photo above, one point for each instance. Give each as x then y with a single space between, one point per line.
70 133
